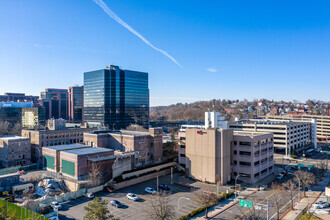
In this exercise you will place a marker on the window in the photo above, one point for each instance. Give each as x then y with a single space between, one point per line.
264 171
256 153
182 138
256 163
235 151
245 153
235 162
242 163
264 160
256 174
182 155
235 142
244 143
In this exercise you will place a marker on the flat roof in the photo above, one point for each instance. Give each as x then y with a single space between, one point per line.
120 132
13 138
250 133
267 122
90 150
67 147
9 175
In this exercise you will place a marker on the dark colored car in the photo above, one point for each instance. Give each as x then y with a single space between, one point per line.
109 189
163 187
116 203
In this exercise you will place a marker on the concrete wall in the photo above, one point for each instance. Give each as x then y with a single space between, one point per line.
140 179
121 165
139 172
201 154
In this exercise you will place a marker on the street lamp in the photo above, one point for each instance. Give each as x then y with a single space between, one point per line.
179 204
267 205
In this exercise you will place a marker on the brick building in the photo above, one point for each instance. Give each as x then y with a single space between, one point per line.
15 151
148 145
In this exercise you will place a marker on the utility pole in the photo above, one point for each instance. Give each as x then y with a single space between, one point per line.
157 182
171 175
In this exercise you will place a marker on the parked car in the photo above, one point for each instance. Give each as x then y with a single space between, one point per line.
132 196
56 205
109 189
90 195
116 203
150 190
263 187
283 173
279 176
320 205
163 187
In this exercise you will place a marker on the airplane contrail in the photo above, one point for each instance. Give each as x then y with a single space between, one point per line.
115 17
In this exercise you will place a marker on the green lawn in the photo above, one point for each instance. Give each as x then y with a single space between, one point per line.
20 212
308 216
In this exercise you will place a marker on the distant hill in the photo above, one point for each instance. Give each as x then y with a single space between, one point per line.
193 111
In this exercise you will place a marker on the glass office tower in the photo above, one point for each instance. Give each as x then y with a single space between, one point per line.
116 98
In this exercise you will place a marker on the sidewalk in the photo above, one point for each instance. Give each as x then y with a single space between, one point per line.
311 197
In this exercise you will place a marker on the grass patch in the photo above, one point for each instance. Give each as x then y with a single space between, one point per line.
20 212
309 216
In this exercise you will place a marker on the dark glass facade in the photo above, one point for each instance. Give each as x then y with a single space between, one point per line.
116 98
76 104
56 103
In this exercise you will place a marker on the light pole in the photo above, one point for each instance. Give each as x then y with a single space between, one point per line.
179 204
267 205
236 184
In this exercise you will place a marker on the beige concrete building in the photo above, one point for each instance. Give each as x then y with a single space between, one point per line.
208 154
15 151
148 145
289 136
221 154
322 123
252 155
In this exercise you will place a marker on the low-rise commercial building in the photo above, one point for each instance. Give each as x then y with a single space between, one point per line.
252 155
15 151
76 162
148 145
289 136
219 155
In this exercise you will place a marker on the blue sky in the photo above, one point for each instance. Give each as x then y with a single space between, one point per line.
228 49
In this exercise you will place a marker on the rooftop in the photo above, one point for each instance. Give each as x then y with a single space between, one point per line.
90 150
250 133
266 122
13 138
121 132
67 147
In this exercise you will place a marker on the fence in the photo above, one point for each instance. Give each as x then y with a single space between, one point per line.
20 212
17 168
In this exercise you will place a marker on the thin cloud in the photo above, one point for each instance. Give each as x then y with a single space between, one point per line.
212 70
113 15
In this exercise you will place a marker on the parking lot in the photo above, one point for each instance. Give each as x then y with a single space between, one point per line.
137 209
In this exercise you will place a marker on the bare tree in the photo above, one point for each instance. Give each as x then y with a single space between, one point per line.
306 178
291 189
160 208
95 174
206 200
277 198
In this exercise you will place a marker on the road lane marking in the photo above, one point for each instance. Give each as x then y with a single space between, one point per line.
258 203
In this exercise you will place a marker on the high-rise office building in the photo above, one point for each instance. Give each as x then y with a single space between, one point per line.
55 102
116 97
76 104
